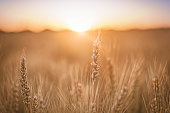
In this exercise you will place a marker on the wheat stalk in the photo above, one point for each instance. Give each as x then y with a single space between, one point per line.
25 90
111 76
95 58
16 97
35 104
95 72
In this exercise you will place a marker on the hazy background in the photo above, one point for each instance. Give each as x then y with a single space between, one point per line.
47 49
19 15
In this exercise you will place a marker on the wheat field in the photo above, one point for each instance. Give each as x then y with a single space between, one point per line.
106 72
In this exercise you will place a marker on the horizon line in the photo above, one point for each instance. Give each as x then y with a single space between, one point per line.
104 29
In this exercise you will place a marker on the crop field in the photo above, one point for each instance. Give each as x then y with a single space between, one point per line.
103 71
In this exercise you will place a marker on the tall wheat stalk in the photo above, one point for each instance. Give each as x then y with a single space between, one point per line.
25 89
95 72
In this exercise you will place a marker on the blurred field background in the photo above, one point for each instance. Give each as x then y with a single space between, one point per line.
50 47
55 55
74 46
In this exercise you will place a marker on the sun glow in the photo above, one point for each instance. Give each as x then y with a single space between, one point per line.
79 24
79 27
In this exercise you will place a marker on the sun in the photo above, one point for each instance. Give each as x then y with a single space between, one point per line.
79 27
79 24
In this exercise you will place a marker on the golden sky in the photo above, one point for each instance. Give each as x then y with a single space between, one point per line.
37 15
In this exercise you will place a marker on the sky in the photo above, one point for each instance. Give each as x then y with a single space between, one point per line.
38 15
